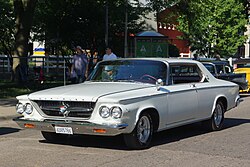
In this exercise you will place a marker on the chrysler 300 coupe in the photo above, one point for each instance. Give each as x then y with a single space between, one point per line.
131 97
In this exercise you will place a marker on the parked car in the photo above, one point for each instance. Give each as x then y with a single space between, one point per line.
143 96
222 70
244 69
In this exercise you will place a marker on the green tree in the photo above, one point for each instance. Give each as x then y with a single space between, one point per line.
213 27
173 51
24 10
158 5
65 23
7 23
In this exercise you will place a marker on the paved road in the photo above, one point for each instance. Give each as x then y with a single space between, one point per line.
7 109
188 146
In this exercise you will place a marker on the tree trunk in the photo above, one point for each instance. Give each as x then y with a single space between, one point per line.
24 11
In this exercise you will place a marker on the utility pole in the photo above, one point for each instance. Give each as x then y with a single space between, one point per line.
126 30
107 25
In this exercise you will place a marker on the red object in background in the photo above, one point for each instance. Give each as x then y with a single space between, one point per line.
169 29
39 75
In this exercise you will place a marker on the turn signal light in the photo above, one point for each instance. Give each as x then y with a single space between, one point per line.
29 125
99 130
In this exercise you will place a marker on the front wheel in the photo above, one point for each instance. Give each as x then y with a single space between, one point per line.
217 120
141 136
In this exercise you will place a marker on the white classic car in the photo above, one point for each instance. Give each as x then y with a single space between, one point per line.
132 97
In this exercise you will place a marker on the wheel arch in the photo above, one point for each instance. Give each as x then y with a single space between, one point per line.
223 99
154 115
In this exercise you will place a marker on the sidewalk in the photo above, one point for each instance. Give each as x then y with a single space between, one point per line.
8 109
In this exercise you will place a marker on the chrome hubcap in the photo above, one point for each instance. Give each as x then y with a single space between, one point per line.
218 115
143 129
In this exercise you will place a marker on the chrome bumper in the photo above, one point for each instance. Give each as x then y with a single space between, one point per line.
77 127
238 101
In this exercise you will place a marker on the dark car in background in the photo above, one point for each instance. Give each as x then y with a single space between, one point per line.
222 70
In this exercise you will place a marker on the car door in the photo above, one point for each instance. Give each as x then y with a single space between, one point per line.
205 94
182 98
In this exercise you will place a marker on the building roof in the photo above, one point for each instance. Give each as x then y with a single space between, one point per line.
149 34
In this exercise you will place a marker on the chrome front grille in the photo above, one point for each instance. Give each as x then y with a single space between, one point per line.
66 108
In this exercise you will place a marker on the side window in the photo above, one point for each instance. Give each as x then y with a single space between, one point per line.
210 68
220 69
185 73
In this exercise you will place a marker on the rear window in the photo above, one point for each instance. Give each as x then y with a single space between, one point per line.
185 73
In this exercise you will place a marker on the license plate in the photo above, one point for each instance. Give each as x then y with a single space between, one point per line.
64 130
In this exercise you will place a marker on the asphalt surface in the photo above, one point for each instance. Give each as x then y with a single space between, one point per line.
7 109
187 146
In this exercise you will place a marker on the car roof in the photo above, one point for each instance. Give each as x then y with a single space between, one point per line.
216 62
169 60
173 61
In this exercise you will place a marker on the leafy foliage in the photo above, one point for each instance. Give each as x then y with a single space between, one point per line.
67 23
173 51
210 26
7 22
213 27
158 5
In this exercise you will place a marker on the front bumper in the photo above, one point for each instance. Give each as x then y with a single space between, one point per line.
77 126
238 101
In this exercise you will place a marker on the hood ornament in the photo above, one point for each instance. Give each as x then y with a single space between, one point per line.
63 109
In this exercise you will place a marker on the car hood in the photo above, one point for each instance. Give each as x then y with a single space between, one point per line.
88 91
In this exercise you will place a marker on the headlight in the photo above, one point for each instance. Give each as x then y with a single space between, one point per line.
104 112
116 112
20 108
28 108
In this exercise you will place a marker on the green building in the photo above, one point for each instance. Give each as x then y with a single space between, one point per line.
151 44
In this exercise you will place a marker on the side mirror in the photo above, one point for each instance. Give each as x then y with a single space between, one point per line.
159 83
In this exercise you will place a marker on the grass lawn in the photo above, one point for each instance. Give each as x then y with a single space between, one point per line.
10 90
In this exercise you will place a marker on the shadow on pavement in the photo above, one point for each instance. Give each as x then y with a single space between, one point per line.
232 122
164 137
196 129
115 142
8 130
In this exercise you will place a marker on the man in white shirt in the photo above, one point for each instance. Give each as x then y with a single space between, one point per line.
109 54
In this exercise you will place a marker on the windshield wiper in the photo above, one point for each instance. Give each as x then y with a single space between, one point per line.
119 80
124 80
129 80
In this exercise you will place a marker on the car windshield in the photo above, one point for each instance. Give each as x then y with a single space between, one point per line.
210 68
146 71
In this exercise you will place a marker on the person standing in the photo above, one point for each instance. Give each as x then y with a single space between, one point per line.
109 54
93 61
79 65
195 57
89 56
96 57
